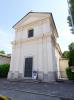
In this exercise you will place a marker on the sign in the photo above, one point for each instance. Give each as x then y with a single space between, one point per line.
34 75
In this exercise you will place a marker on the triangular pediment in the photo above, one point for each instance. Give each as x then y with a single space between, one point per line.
31 17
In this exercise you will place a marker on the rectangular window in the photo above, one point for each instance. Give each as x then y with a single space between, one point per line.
30 33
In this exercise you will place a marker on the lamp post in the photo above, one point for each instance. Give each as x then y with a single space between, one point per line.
70 16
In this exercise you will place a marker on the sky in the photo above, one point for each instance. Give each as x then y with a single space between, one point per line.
12 11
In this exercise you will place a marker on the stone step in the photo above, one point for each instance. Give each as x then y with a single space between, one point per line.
25 80
30 80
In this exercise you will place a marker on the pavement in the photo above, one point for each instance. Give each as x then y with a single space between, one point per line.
37 91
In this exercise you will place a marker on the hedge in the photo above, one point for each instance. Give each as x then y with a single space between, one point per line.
4 68
69 73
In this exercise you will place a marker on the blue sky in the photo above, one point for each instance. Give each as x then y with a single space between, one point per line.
12 11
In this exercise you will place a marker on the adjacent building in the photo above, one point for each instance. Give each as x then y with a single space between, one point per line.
5 59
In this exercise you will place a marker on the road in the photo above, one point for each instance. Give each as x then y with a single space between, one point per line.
37 91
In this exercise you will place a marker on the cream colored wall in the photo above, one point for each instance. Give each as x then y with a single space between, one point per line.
4 60
40 47
40 50
63 66
58 56
40 28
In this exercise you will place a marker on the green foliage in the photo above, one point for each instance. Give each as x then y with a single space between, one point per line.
71 46
2 52
65 54
70 74
69 21
71 8
4 68
71 54
71 58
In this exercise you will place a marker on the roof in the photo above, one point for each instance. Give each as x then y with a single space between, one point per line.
28 14
49 13
3 55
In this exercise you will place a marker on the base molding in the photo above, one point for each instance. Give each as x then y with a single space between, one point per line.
15 75
44 77
47 77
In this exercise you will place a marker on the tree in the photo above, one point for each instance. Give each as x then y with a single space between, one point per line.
71 15
70 69
71 46
2 52
71 54
65 54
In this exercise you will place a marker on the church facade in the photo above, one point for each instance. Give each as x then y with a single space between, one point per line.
33 50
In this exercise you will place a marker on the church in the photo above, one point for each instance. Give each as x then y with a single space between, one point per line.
34 49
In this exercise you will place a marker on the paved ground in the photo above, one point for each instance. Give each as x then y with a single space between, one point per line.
37 91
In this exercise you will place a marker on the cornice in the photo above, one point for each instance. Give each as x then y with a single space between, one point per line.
59 49
30 40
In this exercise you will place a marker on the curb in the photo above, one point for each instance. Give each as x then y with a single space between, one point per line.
65 81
